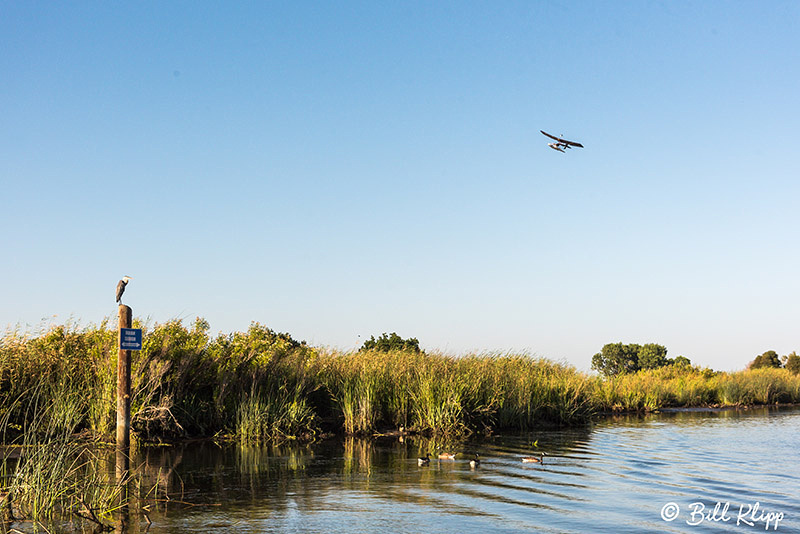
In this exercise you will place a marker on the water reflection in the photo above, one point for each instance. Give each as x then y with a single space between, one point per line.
613 476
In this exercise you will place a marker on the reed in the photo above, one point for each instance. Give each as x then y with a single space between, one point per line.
689 386
263 385
263 415
355 384
398 394
439 396
100 374
758 386
444 394
56 474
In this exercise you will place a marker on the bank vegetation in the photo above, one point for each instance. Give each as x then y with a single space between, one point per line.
264 385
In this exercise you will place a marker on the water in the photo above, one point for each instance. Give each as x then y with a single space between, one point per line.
615 476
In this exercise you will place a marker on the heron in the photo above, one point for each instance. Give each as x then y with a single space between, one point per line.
121 287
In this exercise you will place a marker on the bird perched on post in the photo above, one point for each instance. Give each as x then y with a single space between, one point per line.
121 287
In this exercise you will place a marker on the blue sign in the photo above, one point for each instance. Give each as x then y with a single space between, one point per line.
130 338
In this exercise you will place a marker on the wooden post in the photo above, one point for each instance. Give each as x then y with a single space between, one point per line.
124 396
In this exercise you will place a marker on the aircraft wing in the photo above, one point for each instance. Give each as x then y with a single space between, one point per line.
571 143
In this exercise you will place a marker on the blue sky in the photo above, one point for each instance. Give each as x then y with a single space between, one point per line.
339 170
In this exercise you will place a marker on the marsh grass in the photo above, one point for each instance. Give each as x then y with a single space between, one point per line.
689 386
262 385
758 386
55 474
354 385
277 415
439 397
440 394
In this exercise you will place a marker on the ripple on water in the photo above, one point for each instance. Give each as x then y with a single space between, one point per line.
613 477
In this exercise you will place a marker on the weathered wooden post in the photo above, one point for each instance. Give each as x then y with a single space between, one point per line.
123 396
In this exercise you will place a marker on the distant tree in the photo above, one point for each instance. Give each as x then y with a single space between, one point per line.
620 358
793 363
652 356
617 359
768 359
391 342
681 361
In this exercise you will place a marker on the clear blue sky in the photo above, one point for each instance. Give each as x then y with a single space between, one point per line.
336 170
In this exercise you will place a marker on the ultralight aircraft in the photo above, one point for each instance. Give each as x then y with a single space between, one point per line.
560 144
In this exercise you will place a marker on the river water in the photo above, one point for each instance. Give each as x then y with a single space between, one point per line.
622 474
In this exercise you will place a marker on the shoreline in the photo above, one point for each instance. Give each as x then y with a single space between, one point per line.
260 385
12 451
725 407
389 432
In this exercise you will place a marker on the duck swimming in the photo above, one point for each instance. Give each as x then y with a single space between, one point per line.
534 459
424 460
474 462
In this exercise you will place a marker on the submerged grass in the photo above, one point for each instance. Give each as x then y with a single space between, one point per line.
262 385
54 474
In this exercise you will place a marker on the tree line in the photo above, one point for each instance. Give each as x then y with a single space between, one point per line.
614 358
621 358
771 359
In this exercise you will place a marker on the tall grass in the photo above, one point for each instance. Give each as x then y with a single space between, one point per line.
262 385
264 415
758 386
355 385
451 395
54 474
689 386
438 396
